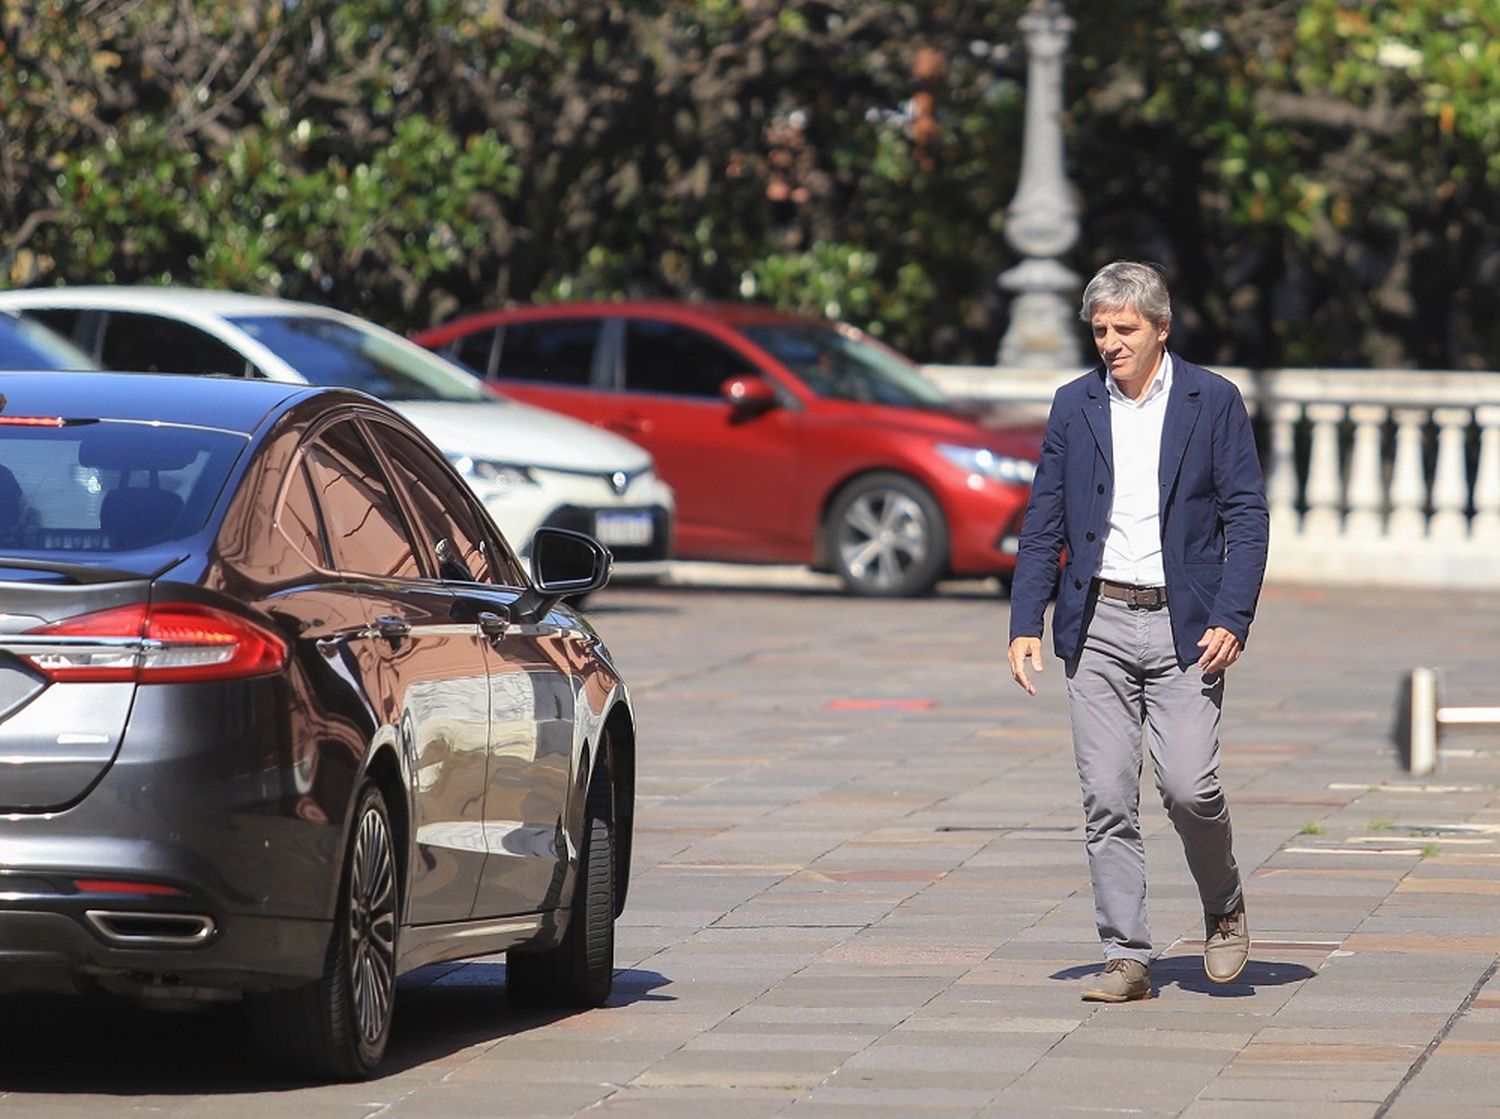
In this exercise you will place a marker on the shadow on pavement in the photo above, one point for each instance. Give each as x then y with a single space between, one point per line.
1186 972
106 1045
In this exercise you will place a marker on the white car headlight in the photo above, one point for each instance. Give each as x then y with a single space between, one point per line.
491 473
987 464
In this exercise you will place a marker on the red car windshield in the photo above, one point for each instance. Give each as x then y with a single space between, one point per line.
843 366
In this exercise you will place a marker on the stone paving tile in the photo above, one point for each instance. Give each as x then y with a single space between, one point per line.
1113 1082
874 1105
881 1018
860 1098
641 1102
1459 1078
231 1107
1275 1109
790 1069
1008 1107
1308 1084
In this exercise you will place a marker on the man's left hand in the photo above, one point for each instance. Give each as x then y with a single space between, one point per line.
1220 649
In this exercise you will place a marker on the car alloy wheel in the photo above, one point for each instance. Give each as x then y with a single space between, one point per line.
886 536
579 972
337 1027
371 927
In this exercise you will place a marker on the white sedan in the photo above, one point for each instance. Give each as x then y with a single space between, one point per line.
529 466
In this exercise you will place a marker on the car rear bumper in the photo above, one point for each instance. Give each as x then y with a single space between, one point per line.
59 943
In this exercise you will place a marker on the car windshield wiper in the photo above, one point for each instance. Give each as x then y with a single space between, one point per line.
85 572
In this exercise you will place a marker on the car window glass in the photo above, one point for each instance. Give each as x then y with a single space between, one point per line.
560 351
366 535
298 518
109 486
153 344
668 358
448 522
62 320
843 366
25 344
357 355
475 351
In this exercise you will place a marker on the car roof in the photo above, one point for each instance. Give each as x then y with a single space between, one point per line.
227 403
730 314
140 298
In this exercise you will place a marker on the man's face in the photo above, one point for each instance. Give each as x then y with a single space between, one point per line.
1130 346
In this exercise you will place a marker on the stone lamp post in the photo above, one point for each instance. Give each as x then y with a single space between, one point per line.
1042 221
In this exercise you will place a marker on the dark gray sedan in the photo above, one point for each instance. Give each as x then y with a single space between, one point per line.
282 717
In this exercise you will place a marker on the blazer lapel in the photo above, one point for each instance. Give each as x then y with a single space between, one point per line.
1177 426
1096 412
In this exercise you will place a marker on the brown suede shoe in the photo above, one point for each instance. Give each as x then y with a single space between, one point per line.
1226 944
1121 981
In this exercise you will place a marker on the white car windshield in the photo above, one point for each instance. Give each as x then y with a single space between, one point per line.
843 366
331 352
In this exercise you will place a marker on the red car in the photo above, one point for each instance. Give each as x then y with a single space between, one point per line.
788 440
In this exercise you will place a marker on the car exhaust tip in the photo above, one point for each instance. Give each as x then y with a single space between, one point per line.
134 929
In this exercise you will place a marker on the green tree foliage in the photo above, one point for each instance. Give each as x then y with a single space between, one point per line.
1321 178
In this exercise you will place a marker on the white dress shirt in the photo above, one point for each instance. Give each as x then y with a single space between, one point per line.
1132 542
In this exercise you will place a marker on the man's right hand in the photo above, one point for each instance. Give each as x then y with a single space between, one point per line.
1022 649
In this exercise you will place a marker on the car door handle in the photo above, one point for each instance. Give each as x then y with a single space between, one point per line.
392 628
491 624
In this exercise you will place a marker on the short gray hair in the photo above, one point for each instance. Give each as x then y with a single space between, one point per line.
1128 283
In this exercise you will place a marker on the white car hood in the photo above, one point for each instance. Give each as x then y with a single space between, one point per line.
511 432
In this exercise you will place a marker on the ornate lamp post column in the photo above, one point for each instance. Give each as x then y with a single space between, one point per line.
1042 221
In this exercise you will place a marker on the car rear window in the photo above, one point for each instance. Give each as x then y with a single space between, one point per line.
108 485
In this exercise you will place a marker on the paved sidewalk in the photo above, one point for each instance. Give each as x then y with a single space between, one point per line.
859 890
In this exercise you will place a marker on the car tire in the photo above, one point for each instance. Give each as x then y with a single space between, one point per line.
337 1027
886 536
579 972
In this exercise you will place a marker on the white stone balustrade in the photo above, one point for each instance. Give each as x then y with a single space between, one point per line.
1386 477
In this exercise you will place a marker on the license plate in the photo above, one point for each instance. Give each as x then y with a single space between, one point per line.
622 529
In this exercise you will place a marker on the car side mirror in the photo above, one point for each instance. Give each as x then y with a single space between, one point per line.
749 395
563 563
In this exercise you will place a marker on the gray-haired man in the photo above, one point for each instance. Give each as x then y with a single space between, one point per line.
1149 479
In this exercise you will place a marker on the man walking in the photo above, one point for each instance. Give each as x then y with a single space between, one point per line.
1149 491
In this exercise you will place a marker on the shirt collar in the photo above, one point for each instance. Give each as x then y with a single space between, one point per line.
1160 385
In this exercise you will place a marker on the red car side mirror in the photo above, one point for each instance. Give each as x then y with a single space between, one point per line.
749 395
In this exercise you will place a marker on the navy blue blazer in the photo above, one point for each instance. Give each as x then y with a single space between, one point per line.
1215 527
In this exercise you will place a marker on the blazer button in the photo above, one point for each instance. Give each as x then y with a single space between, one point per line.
1078 584
1101 487
1088 536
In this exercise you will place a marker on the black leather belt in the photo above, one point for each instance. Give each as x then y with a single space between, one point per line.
1137 598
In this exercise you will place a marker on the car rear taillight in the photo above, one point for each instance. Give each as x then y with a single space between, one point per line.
155 644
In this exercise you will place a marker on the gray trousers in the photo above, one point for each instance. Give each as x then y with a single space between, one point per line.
1125 686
